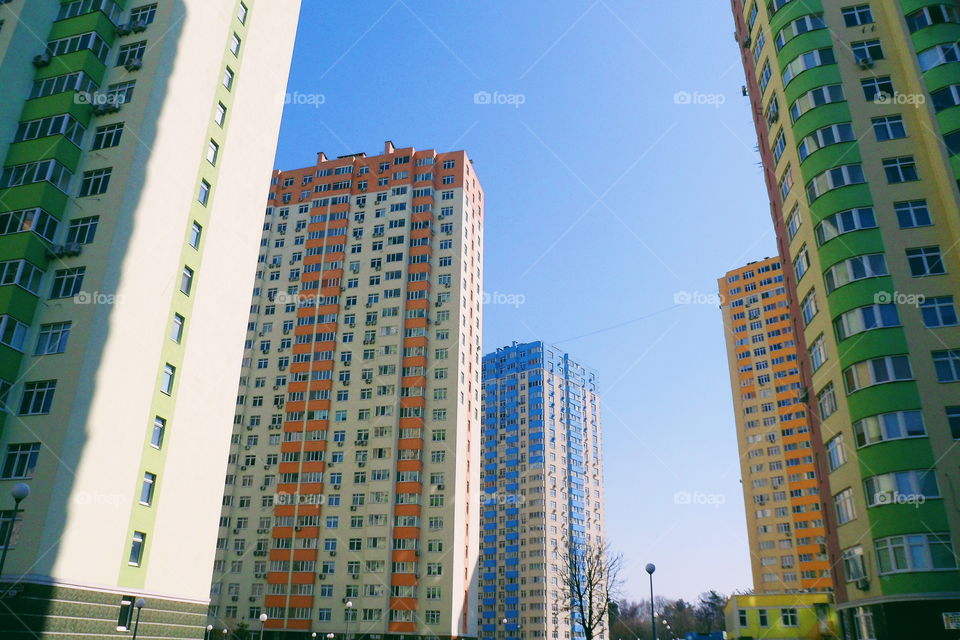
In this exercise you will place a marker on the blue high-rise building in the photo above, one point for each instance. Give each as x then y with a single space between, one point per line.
542 487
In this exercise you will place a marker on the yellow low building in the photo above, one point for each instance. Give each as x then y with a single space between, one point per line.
784 616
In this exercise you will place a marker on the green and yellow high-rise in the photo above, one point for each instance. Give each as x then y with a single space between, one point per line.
857 107
135 139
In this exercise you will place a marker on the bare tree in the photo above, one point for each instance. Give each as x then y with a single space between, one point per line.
590 579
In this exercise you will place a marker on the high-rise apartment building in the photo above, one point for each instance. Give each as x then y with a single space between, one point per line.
781 482
857 107
352 496
542 488
126 238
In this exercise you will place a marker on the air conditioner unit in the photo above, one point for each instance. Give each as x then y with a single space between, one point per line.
865 63
133 64
863 584
321 576
441 487
336 486
41 60
138 26
353 507
333 553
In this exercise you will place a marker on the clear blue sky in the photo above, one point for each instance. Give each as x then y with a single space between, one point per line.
605 198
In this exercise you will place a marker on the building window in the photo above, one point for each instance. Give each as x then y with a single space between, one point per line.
125 616
235 45
836 452
195 232
889 426
818 352
877 316
131 53
867 51
902 169
13 333
827 401
67 282
889 128
853 565
144 15
901 487
204 195
228 78
742 617
914 213
20 460
947 365
854 269
37 397
167 379
83 230
176 329
916 552
120 93
939 55
845 222
242 13
158 431
857 15
136 548
877 87
868 373
95 182
808 308
220 115
835 178
925 261
53 338
213 152
843 502
186 280
146 489
938 312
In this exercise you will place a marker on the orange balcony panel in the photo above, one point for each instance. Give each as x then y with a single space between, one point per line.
299 405
311 488
403 604
301 577
301 601
420 233
413 401
422 285
409 465
413 381
411 423
409 487
288 487
289 467
404 555
417 304
403 579
279 554
405 510
314 466
402 627
317 425
306 532
414 323
290 446
325 346
420 251
423 216
299 385
301 348
309 510
276 601
299 367
304 554
409 443
300 625
419 341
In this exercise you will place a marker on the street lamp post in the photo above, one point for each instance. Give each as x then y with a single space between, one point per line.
330 636
263 623
314 635
349 606
140 604
653 616
225 632
206 636
19 492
